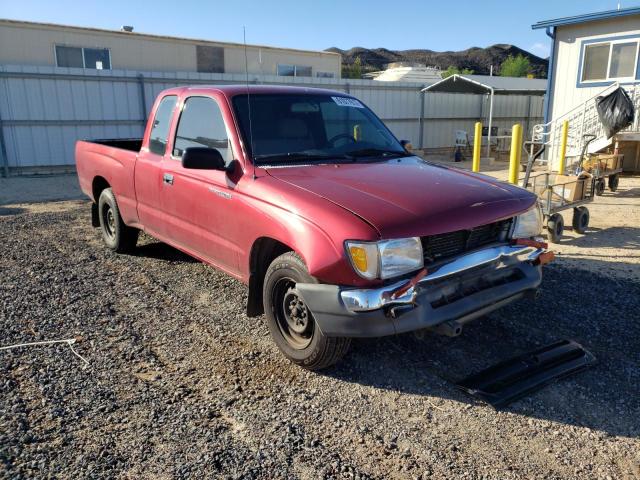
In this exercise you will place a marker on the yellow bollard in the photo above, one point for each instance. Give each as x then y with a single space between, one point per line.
563 146
514 157
477 143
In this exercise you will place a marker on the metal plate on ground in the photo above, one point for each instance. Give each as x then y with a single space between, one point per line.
512 379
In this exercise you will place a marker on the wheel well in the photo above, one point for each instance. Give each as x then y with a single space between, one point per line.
99 184
263 252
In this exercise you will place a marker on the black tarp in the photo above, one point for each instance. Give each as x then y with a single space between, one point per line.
615 111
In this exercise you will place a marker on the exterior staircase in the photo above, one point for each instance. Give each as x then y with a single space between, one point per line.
583 120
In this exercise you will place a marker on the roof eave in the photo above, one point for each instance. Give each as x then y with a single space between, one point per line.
589 17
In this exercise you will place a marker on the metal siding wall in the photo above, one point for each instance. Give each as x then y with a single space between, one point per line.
44 110
447 112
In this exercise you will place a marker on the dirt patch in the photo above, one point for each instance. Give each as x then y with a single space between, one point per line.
182 384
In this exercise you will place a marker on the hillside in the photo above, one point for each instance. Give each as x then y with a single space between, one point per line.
477 59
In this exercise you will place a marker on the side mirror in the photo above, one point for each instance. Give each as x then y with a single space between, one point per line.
406 144
201 158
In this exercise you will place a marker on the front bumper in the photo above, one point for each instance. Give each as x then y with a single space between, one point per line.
459 290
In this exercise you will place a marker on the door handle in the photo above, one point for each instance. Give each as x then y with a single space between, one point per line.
167 178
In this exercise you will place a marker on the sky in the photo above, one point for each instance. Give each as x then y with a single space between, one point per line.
392 24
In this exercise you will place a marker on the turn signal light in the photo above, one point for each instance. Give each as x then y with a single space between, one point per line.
359 258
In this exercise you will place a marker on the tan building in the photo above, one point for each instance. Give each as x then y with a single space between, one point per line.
30 43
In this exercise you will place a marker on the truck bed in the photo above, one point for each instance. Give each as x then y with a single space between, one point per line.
111 161
132 144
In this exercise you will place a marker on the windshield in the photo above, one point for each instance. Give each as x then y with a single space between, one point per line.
312 129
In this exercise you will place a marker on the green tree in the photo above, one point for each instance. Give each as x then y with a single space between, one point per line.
354 70
452 70
518 66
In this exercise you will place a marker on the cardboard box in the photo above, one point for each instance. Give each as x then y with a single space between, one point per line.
605 162
564 188
570 187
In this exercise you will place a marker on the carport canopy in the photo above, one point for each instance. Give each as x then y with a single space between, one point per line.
488 85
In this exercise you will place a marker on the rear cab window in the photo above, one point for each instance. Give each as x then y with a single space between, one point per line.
161 122
201 125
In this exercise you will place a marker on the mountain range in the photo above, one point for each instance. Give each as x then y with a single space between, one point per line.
477 59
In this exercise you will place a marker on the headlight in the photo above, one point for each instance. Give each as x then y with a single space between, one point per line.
529 224
386 258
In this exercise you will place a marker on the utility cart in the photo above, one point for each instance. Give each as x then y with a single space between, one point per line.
606 169
558 192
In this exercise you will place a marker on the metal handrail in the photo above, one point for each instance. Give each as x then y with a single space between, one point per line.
562 117
583 120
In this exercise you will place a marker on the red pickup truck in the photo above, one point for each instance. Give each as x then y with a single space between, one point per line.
307 197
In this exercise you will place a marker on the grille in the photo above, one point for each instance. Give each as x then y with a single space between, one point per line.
476 286
437 247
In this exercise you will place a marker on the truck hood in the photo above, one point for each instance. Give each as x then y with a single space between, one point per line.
408 196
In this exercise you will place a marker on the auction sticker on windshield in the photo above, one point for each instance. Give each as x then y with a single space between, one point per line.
347 102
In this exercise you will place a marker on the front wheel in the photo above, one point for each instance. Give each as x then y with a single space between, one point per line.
614 180
291 324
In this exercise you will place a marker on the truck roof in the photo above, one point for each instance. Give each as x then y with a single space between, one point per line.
233 90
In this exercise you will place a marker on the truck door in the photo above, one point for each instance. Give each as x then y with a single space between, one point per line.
200 204
148 173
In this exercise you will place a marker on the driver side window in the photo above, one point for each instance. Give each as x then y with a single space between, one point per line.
201 125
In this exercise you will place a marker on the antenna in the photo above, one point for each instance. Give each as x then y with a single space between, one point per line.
246 71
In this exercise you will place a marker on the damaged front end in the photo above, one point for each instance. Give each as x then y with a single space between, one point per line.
443 298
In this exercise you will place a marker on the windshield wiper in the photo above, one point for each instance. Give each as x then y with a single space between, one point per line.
295 157
375 152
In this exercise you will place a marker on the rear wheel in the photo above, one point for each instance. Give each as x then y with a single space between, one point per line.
580 219
555 227
600 186
118 236
291 324
614 180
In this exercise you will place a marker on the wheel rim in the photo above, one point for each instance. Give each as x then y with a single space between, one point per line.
109 221
294 319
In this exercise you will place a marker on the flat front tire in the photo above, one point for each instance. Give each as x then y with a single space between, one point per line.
291 324
116 235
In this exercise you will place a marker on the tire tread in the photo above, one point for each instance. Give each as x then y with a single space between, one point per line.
331 349
126 237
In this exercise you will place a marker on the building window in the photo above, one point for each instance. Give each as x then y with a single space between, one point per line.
209 59
286 70
614 60
303 71
79 57
325 74
293 71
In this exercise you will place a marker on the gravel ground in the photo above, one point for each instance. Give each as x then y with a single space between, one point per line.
181 384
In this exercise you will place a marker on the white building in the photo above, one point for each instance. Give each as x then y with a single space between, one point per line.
591 55
399 72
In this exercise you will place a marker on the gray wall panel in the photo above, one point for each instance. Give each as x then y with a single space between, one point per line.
44 110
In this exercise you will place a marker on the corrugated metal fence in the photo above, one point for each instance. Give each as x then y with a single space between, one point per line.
44 110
